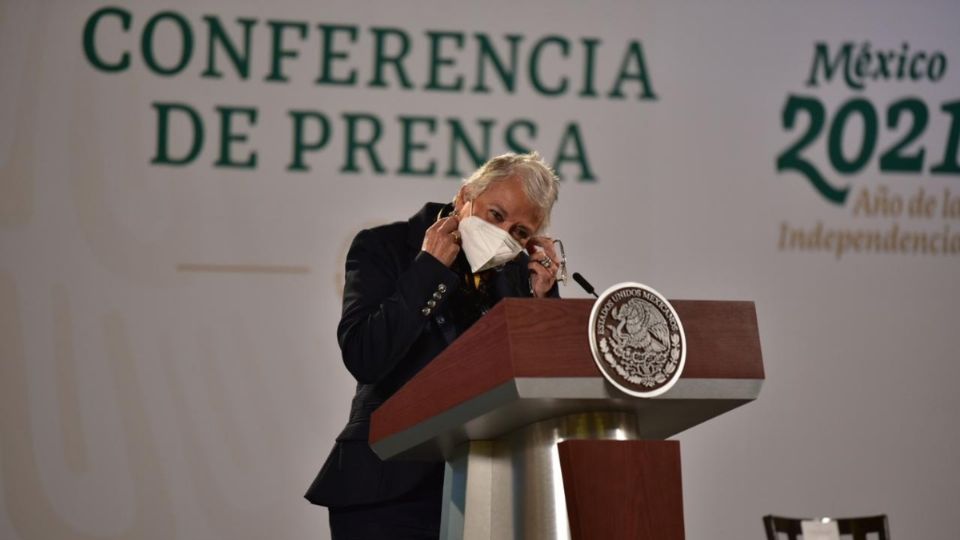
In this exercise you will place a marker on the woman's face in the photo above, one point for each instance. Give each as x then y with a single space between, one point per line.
505 205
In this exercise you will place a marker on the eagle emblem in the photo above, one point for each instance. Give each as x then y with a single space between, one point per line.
637 339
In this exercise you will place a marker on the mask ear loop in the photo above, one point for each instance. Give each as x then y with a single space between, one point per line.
456 213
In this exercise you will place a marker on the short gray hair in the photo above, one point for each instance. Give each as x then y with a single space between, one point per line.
539 182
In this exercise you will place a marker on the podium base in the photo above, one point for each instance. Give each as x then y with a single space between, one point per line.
512 487
623 489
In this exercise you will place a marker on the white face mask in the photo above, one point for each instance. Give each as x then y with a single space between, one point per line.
485 244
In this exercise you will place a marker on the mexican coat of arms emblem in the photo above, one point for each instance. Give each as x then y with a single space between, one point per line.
637 339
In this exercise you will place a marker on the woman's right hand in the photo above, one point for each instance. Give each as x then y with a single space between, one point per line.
442 240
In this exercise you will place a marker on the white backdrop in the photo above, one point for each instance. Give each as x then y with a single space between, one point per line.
169 365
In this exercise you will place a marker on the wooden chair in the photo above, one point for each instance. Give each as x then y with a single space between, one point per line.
857 527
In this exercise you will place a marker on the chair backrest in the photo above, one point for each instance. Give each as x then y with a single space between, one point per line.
857 527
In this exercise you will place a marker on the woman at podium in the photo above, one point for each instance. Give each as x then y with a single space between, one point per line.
411 288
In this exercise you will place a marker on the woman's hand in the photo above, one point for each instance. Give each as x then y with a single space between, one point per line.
543 265
442 240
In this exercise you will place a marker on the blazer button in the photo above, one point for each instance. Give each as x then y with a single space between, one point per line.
441 319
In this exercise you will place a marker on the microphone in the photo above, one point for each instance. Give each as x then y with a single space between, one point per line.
581 281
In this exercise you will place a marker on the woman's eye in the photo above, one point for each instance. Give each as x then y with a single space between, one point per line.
496 216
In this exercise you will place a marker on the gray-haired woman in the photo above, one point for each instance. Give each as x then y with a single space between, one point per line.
411 288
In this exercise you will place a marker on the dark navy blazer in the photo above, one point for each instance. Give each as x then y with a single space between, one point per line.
396 318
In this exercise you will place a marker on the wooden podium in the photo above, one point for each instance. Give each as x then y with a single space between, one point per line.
539 445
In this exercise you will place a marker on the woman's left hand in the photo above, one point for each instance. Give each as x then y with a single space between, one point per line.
543 265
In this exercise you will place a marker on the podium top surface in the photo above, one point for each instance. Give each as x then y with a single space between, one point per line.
530 359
